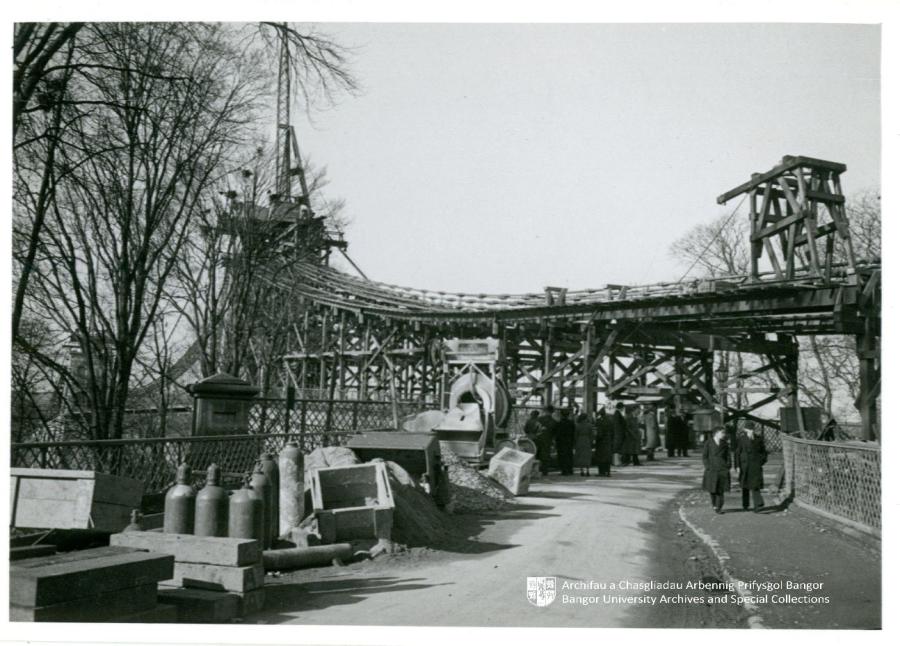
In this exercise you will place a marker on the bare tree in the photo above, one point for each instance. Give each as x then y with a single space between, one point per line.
167 111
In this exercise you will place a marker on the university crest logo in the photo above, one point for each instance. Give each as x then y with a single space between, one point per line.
540 590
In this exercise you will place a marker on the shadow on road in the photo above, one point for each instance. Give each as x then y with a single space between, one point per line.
315 595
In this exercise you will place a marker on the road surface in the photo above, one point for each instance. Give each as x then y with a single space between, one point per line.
587 532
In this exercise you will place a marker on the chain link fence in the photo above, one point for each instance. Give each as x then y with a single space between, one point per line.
273 423
841 479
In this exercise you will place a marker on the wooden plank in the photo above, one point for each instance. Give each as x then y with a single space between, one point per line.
218 577
95 607
30 552
187 548
43 586
71 557
788 163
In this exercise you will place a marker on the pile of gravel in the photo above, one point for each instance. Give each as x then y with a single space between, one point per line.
470 490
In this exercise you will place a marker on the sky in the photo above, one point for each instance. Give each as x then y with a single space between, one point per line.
502 158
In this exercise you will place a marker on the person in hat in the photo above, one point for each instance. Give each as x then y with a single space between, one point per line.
603 446
621 438
750 455
565 442
651 431
545 436
584 441
717 469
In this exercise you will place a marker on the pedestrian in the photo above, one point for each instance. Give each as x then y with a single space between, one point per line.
633 420
584 441
545 436
677 433
565 442
651 431
750 455
828 433
717 469
620 435
532 426
603 445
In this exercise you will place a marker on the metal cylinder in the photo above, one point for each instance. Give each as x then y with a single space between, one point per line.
300 557
178 516
135 524
290 488
270 468
261 485
211 508
245 514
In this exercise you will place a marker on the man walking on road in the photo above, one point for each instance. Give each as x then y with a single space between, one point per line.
565 442
717 469
750 455
677 433
545 436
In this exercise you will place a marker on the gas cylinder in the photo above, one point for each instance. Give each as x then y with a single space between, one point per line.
270 468
211 509
245 513
135 524
179 509
290 488
261 485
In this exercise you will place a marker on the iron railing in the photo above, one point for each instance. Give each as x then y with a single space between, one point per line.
841 479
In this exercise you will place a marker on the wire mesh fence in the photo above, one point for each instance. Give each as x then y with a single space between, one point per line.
839 478
273 423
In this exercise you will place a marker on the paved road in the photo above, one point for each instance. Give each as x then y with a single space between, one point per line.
579 530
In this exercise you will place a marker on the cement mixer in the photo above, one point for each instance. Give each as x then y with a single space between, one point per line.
477 402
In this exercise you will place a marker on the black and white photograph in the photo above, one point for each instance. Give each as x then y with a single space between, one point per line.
325 325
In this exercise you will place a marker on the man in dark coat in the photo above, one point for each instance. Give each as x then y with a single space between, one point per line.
717 469
633 444
603 444
565 443
750 455
620 435
545 436
677 433
532 426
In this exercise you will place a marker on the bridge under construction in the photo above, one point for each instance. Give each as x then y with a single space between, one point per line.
360 339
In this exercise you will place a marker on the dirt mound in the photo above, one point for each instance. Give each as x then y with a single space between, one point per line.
417 519
470 490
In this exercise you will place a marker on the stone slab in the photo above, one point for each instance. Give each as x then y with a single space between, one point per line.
44 585
218 577
201 606
187 548
104 606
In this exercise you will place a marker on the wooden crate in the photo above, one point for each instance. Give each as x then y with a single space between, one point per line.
63 499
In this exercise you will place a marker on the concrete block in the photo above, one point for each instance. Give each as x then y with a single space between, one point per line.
218 577
103 606
252 601
512 469
160 614
62 581
201 606
187 548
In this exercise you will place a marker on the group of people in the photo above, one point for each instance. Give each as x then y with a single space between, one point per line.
749 456
621 437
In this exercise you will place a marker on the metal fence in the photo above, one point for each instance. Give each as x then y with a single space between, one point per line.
273 423
840 479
